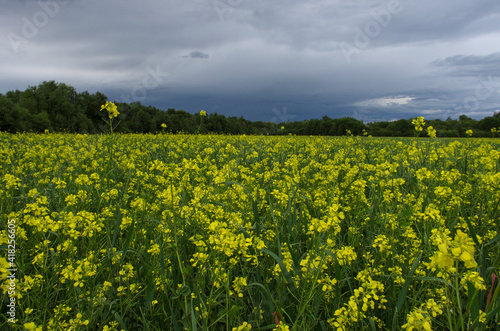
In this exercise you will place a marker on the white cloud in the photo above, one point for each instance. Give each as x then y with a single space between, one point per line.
385 102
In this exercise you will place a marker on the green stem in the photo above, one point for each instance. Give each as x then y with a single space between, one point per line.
182 274
457 291
448 315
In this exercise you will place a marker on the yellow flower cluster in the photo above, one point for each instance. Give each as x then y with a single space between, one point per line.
281 326
431 132
418 123
111 108
367 297
243 327
461 248
421 318
330 222
345 255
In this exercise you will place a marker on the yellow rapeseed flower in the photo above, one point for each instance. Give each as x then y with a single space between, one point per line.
243 327
431 132
281 327
418 123
32 326
111 108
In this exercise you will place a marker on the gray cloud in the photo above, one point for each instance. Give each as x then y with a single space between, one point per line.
196 55
260 55
470 65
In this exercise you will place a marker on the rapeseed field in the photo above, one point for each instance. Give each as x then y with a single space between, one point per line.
206 232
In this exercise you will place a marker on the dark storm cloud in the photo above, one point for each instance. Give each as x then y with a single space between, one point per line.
470 65
371 59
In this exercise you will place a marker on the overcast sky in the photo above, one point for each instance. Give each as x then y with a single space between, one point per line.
273 60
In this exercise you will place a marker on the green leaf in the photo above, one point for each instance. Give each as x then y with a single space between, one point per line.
193 319
127 242
469 225
283 269
404 290
473 304
119 319
184 291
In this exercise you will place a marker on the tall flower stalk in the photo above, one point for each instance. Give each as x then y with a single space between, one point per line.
202 114
419 125
112 110
431 132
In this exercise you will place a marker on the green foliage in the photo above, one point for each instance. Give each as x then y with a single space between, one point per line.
58 107
13 116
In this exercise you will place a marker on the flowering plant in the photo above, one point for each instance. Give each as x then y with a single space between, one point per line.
431 132
419 124
202 114
112 110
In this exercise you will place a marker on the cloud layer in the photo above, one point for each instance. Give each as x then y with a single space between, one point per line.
373 60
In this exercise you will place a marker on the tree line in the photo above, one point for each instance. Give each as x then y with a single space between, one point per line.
58 107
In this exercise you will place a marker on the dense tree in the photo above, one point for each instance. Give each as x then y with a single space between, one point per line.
216 123
343 124
13 117
489 123
41 122
465 123
58 107
90 105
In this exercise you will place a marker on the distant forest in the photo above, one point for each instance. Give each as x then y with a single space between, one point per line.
57 107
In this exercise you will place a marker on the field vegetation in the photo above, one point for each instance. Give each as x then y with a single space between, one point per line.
210 232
